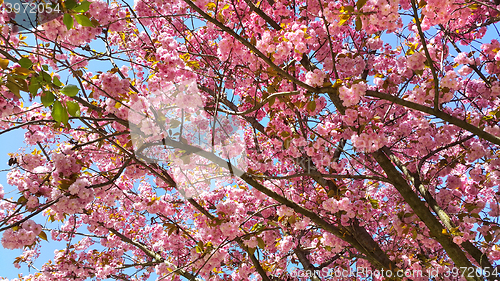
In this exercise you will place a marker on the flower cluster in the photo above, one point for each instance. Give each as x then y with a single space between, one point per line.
315 78
22 236
368 142
352 96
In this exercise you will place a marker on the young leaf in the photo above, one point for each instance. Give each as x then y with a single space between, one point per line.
33 87
343 19
43 235
311 106
73 108
70 4
4 63
83 20
83 7
25 62
68 21
59 113
70 90
261 242
359 23
14 88
56 81
21 71
251 251
360 4
47 99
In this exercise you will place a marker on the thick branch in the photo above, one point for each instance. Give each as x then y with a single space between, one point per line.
421 210
480 258
440 114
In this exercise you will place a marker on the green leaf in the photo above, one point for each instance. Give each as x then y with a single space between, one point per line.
251 251
359 23
56 81
14 88
43 235
46 77
73 108
83 20
83 7
47 99
22 200
311 106
360 4
70 90
33 87
25 62
70 4
271 102
68 21
261 242
59 113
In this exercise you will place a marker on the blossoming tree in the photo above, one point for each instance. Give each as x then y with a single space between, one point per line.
235 140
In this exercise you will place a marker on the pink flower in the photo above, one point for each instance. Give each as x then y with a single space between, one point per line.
350 116
458 240
465 70
315 78
229 229
252 242
416 61
286 244
351 96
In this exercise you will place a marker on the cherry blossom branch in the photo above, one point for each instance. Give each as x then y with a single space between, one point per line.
440 114
251 47
306 264
430 154
473 66
359 233
156 257
255 261
373 253
442 215
263 15
413 200
328 176
427 55
260 104
47 205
